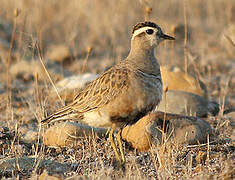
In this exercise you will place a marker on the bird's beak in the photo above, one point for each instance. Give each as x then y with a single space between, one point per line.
164 36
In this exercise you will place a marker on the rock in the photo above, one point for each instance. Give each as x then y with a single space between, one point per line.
138 135
141 135
180 81
178 129
185 103
58 53
9 165
30 136
67 134
230 114
227 39
69 86
26 70
77 81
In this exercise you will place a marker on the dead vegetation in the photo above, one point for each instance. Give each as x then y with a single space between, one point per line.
94 36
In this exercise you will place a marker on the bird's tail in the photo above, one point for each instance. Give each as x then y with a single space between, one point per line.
65 113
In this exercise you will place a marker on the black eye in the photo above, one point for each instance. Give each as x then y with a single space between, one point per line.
149 31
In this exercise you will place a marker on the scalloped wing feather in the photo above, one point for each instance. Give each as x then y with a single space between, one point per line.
95 95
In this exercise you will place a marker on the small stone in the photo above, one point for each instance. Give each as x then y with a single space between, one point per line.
179 32
30 136
58 53
30 68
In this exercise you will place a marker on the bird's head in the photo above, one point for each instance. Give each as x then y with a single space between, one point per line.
148 34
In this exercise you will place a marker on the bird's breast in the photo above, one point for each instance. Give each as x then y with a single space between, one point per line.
97 118
151 87
142 96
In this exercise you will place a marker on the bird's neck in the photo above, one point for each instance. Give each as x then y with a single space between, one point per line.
142 57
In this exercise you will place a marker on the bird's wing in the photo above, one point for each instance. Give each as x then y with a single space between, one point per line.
95 95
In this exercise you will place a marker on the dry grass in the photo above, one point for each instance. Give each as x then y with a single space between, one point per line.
106 27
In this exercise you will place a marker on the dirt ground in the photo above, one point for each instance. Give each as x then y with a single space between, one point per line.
76 36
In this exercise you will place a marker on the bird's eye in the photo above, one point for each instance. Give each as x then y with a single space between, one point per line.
149 31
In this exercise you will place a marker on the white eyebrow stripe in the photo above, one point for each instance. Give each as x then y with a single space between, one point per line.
139 31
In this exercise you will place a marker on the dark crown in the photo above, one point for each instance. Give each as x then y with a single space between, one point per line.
144 24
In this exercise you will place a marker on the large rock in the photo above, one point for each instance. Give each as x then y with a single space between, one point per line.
178 129
141 135
185 103
66 134
178 80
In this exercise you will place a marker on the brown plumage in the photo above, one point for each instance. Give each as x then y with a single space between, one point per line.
126 92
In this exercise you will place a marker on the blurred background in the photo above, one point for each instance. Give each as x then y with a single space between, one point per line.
106 25
78 36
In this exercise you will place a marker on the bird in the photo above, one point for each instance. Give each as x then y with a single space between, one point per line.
124 93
